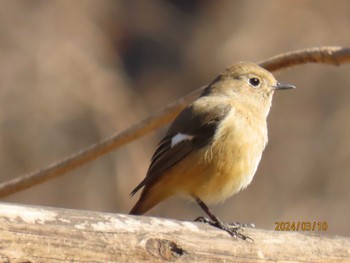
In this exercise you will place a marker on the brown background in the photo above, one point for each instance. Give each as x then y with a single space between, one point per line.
74 72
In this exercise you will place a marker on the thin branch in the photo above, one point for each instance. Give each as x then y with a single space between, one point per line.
324 55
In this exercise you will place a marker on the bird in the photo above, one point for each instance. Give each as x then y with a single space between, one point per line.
213 147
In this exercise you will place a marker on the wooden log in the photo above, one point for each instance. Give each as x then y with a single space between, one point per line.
43 234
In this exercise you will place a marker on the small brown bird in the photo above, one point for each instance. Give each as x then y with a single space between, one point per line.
213 148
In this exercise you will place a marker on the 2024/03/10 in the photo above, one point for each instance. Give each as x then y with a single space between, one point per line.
301 226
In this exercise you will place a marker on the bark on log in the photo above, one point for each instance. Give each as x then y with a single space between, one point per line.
43 234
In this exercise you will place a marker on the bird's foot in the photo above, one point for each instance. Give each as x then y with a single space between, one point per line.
234 229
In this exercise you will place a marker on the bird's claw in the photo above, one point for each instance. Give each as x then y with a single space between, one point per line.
234 229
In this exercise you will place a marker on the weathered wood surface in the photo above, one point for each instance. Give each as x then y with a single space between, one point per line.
43 234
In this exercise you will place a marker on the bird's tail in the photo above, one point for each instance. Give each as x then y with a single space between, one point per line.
149 198
140 207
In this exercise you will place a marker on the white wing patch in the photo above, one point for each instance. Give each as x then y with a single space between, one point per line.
179 138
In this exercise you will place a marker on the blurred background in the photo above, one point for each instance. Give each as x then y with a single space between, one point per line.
74 72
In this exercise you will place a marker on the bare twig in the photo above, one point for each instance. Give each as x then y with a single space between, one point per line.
325 55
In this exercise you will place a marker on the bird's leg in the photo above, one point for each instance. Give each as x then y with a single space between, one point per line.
232 229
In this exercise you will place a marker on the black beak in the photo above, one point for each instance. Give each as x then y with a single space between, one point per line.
280 86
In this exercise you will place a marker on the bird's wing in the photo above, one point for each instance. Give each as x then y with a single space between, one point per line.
189 132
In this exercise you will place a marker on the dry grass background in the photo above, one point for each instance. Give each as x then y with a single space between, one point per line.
74 72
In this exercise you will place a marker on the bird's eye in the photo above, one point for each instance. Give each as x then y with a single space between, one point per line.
254 82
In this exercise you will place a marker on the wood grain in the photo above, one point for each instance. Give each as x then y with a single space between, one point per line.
42 234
